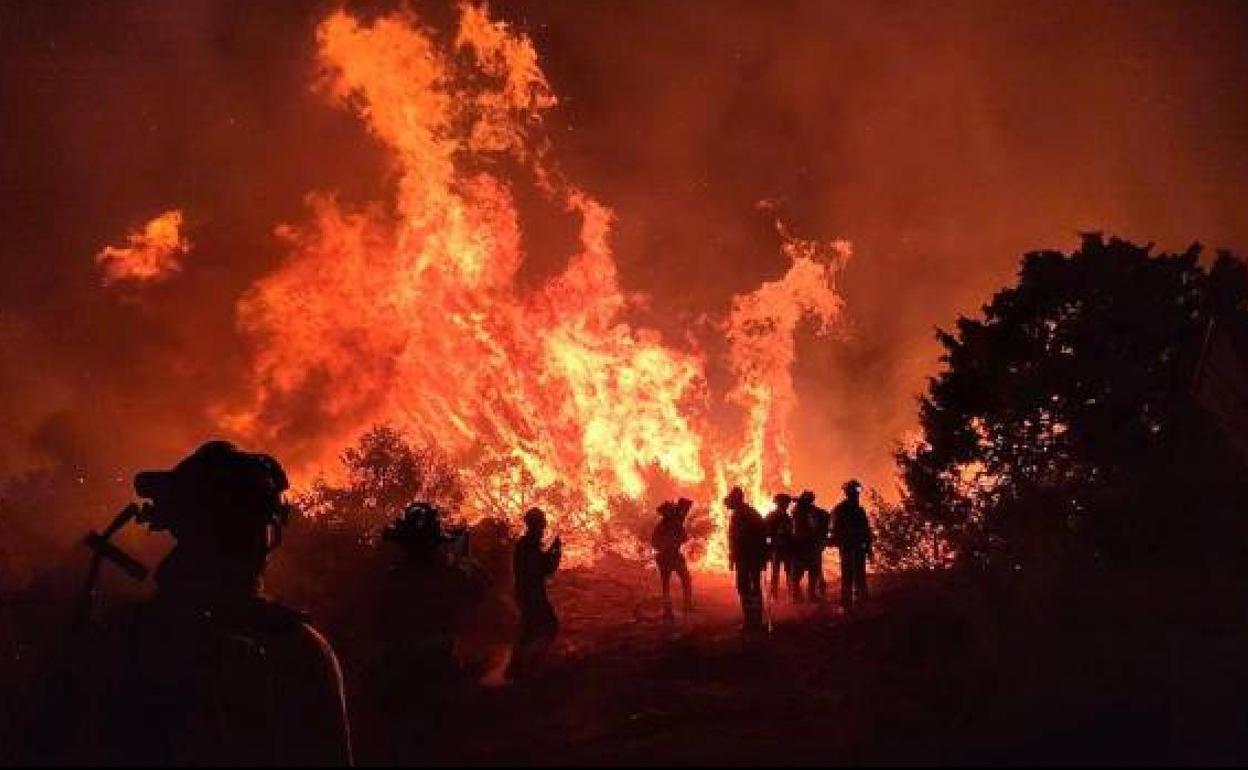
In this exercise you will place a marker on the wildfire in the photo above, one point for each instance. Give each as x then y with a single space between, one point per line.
761 329
408 311
150 255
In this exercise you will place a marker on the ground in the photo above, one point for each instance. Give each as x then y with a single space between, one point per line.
626 688
928 672
939 668
695 691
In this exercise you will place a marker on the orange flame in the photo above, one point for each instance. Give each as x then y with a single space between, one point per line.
150 255
410 311
761 330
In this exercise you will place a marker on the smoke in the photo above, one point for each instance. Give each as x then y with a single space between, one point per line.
942 141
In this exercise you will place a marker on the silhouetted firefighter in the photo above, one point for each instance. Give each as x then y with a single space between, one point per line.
669 535
780 544
747 555
209 672
426 593
851 534
810 525
533 565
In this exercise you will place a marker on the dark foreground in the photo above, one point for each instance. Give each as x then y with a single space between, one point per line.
937 669
930 672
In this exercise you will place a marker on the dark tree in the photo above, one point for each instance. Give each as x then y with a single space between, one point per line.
330 559
1063 429
383 473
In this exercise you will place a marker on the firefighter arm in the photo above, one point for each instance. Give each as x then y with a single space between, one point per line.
314 708
518 567
553 556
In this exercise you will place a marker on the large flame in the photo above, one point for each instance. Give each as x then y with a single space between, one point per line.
409 311
761 330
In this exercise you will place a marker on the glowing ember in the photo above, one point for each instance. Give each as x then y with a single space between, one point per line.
150 255
409 312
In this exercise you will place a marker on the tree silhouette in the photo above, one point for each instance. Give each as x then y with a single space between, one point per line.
501 487
1063 429
384 472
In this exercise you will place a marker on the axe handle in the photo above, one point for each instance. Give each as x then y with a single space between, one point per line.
86 595
128 564
102 549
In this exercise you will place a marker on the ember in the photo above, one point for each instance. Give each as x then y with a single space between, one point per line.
150 255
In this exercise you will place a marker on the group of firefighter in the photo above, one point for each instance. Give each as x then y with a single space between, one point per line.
790 539
210 639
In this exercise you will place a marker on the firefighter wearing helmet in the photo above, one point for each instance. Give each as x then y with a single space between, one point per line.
532 566
210 671
851 535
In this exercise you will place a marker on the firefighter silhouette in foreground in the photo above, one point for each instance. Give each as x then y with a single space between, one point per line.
427 592
851 534
210 672
747 556
810 526
532 566
668 538
780 544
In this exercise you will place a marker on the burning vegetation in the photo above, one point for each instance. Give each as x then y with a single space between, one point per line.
411 312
